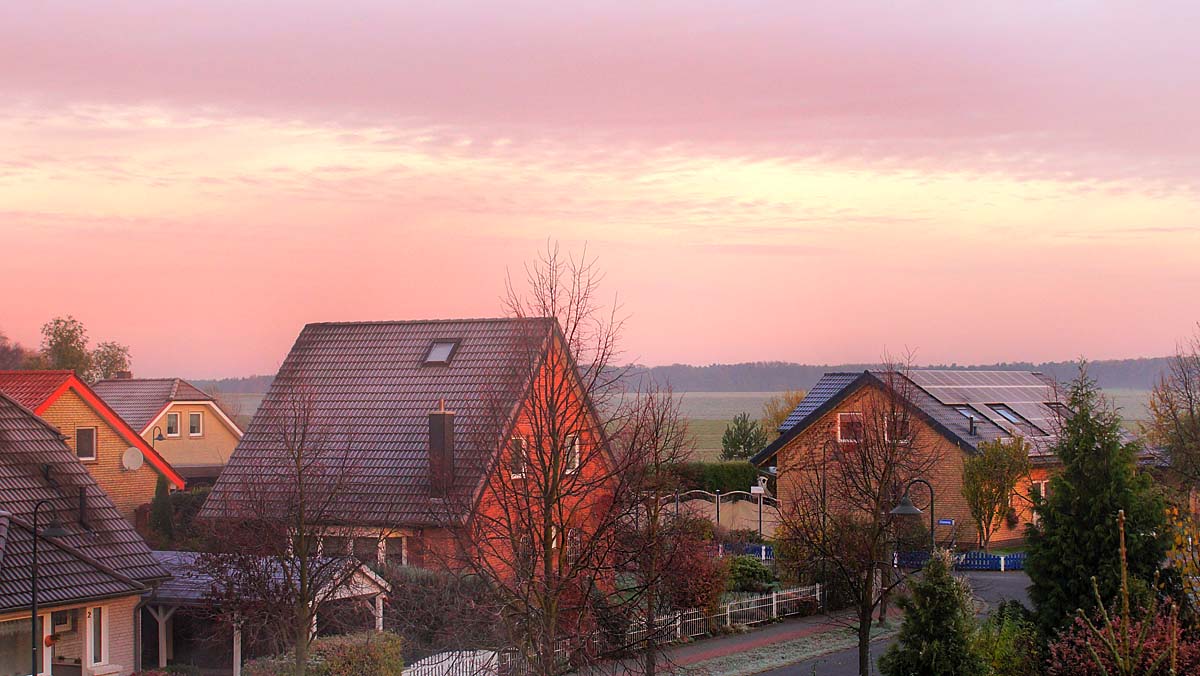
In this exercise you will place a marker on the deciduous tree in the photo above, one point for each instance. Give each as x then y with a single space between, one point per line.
777 409
1175 413
65 346
107 360
990 479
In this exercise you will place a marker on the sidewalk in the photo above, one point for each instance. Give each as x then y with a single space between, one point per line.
757 637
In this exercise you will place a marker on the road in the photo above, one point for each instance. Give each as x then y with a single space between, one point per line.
990 587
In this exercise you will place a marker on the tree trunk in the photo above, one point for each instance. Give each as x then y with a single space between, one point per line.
864 640
300 650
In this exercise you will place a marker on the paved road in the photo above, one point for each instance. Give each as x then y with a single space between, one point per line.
991 587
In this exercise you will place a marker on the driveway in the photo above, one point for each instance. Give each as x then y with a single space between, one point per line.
991 587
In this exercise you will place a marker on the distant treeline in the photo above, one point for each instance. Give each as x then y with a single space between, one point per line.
1139 374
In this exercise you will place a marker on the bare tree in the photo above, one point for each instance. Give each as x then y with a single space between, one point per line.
839 492
1175 413
270 573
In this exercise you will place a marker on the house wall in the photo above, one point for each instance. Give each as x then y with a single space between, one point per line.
946 476
213 447
121 636
128 489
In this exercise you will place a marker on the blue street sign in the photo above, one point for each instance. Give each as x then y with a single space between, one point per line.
945 522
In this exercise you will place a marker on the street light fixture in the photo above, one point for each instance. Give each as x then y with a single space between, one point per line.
156 435
906 508
52 530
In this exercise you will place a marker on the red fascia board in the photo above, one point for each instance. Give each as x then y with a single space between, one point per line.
118 424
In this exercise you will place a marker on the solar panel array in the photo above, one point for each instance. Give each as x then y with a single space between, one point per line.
1024 392
829 385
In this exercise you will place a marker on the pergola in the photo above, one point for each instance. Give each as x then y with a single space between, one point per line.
190 587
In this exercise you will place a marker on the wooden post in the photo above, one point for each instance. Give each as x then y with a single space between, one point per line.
774 605
160 619
237 649
379 612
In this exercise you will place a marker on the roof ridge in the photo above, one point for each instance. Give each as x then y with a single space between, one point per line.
33 371
386 322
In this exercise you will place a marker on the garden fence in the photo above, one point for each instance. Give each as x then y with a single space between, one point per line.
965 561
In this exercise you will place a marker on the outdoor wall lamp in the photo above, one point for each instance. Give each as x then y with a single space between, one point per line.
907 508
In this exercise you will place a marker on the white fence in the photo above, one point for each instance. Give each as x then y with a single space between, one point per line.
668 628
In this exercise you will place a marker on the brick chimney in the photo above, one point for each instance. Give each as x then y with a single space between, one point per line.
441 451
123 375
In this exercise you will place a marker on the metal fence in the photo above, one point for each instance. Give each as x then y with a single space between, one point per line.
965 561
668 628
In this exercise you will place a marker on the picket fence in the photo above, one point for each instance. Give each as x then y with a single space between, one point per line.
668 628
965 561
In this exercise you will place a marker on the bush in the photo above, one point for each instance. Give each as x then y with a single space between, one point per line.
437 610
370 653
716 476
1075 651
1008 642
748 574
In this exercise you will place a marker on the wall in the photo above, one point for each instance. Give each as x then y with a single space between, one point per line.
128 490
212 448
120 634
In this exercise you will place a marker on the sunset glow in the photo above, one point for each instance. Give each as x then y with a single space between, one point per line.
768 182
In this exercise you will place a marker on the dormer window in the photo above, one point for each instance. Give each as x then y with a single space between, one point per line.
440 352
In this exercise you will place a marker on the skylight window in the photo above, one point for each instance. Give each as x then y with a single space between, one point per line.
441 351
1008 414
966 411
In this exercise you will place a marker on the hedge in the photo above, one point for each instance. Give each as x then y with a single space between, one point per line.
713 476
369 653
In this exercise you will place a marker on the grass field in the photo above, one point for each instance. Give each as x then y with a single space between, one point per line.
709 412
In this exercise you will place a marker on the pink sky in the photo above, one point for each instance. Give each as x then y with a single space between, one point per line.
976 181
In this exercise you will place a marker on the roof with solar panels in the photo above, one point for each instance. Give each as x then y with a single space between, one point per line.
967 406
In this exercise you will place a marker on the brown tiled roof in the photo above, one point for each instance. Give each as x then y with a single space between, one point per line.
371 389
32 388
28 445
65 575
139 400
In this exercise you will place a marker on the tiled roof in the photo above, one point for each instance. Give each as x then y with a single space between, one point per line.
27 444
32 388
371 389
938 394
829 385
139 400
65 575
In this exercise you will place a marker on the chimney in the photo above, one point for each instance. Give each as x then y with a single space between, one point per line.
441 451
123 375
972 419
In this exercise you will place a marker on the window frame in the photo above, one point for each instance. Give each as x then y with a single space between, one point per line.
454 344
861 422
178 424
514 454
199 416
574 452
95 443
93 659
887 430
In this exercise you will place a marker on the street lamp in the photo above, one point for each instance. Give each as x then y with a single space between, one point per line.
907 508
156 435
52 530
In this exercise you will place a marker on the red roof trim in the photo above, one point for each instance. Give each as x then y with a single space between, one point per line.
119 424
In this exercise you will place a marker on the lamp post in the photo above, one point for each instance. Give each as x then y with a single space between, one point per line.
53 530
907 508
156 435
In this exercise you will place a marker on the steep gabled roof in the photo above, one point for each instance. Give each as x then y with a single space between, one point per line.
937 395
370 386
37 390
65 574
36 464
140 400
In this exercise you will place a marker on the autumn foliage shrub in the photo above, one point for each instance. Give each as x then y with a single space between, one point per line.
1077 648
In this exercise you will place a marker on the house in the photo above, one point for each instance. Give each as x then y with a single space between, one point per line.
953 411
434 412
183 423
124 465
91 576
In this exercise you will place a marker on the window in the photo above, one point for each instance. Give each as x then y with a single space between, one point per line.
335 546
15 649
849 427
85 443
98 636
520 456
966 412
395 551
1007 413
172 424
1040 490
366 550
441 351
1059 408
195 424
898 429
573 457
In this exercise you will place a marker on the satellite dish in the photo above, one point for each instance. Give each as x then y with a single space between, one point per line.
132 459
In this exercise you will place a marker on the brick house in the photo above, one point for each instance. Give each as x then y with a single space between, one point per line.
953 412
185 425
91 579
100 438
436 412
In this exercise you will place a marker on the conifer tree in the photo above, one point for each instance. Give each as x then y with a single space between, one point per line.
742 439
939 623
161 521
1073 540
